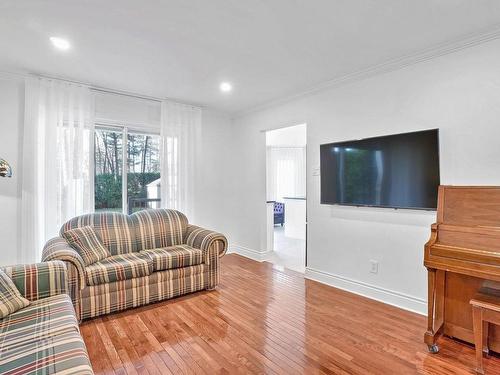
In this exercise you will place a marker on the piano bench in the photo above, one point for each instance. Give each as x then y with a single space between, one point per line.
485 310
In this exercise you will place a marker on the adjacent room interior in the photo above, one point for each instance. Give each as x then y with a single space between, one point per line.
216 187
286 156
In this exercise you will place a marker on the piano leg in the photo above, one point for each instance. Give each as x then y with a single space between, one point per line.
435 308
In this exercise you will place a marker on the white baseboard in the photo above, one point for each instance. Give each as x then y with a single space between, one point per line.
259 256
390 297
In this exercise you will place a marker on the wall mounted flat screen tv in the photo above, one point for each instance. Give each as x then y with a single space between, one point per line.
398 171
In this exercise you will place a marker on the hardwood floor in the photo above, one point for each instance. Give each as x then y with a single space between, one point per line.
260 320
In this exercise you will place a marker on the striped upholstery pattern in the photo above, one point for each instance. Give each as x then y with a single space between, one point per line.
59 249
64 353
213 245
213 260
107 298
39 280
119 267
74 287
42 338
87 243
204 239
161 256
42 318
174 257
10 298
114 230
158 228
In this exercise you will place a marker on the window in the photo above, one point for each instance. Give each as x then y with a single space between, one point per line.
108 168
140 158
143 166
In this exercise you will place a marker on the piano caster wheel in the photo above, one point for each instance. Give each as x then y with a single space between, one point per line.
433 349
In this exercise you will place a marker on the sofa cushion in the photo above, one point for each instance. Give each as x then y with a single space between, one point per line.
87 243
42 318
43 338
64 353
114 229
174 257
119 267
11 299
158 228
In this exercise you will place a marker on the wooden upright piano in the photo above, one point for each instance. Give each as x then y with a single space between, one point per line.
462 255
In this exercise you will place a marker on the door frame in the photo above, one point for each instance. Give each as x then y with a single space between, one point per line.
283 126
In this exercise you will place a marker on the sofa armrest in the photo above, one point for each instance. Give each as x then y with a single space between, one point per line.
39 280
58 249
205 239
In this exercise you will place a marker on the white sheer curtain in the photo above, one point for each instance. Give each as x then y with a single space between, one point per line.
286 172
180 139
57 182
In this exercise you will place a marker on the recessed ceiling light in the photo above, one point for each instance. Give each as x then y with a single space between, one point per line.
225 87
60 43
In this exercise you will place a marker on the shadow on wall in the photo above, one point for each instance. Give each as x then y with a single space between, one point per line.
419 218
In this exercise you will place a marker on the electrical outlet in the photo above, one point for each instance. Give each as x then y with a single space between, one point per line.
373 266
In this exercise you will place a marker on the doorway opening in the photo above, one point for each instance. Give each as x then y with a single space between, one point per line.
286 196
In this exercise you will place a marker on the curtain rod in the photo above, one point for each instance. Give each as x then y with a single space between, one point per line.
139 96
112 91
125 93
101 89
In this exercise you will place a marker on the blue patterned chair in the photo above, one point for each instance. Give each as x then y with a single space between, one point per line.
279 213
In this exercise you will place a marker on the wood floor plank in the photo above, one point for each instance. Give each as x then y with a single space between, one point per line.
260 327
265 321
95 348
204 330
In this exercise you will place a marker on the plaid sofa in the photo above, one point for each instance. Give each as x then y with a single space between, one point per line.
42 338
155 255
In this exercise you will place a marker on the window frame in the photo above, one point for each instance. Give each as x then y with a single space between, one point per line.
125 130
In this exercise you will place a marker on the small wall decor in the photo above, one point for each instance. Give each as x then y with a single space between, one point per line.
5 169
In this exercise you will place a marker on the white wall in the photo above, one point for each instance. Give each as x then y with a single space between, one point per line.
11 122
457 93
292 136
211 206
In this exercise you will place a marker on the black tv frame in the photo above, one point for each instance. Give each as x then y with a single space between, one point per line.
383 206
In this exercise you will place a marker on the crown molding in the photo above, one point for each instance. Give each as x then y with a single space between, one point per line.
438 50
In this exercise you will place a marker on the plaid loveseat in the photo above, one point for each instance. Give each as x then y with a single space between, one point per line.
42 338
155 255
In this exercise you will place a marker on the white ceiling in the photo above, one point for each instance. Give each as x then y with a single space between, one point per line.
268 49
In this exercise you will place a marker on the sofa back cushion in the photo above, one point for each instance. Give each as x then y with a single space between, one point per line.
87 243
10 298
159 228
114 230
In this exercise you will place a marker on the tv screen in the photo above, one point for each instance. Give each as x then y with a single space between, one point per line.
399 171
